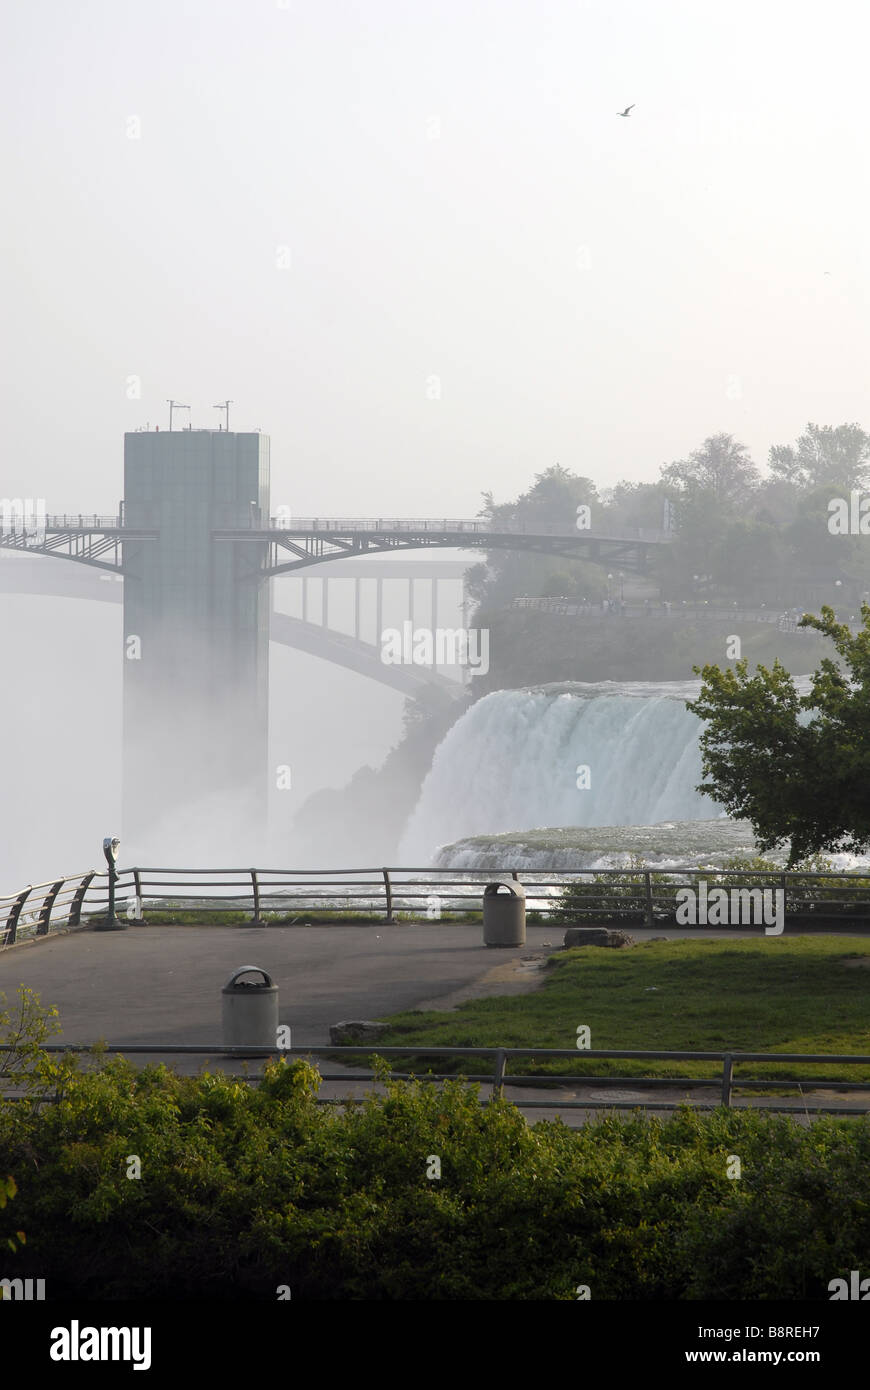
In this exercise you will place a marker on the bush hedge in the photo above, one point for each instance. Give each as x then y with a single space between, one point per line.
245 1189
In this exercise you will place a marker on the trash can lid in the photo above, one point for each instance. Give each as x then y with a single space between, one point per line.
515 888
232 982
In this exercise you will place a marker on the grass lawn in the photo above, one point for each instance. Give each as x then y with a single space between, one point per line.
803 994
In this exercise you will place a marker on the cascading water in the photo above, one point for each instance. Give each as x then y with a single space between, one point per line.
513 762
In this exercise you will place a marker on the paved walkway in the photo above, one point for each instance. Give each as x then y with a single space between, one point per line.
163 984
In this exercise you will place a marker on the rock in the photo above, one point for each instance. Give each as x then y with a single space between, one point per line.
596 936
356 1030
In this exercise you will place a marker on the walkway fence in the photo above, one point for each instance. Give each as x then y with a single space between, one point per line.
572 607
618 896
500 1078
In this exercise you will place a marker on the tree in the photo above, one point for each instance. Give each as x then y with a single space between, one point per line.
552 500
629 505
824 456
747 560
721 471
797 767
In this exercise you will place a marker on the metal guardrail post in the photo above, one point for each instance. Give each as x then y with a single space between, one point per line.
727 1078
256 920
137 889
650 919
498 1079
75 911
388 889
14 914
47 905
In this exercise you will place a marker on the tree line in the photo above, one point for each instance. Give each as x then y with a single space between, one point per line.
740 534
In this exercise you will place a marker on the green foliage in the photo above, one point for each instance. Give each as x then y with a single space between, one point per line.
795 766
244 1190
24 1027
25 1068
8 1190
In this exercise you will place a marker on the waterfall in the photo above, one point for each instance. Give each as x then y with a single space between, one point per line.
511 762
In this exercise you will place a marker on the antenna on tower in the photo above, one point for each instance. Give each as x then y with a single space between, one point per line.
225 405
175 405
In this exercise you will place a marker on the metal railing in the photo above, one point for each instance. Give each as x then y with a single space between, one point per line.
623 896
499 1077
474 524
87 521
81 521
572 607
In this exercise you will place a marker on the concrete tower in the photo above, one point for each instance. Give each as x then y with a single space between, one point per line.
196 632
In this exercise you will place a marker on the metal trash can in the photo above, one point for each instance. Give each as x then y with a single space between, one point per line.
250 1010
504 914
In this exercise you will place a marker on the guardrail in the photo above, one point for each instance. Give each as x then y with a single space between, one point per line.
571 607
499 1078
644 897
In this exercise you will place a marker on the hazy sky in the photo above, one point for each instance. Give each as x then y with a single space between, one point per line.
415 244
461 202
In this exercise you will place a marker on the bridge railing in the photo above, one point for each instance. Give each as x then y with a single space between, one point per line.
83 521
619 896
475 525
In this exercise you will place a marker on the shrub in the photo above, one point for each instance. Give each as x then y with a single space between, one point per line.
245 1189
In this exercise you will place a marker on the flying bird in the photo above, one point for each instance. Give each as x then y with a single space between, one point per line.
627 109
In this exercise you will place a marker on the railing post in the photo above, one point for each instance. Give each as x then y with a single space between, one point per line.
75 911
727 1074
783 883
498 1079
137 888
389 892
14 914
47 905
256 920
650 919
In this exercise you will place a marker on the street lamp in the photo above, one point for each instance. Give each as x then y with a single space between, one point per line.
111 845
